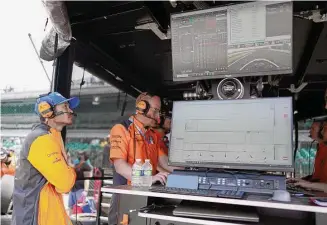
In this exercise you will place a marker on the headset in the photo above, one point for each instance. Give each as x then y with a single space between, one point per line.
321 128
166 114
143 106
45 109
162 121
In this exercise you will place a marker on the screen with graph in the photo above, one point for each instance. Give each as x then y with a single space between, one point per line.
240 134
248 39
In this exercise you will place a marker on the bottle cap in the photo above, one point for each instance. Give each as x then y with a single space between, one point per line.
138 160
147 160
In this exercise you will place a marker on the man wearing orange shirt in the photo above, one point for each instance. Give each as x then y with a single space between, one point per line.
42 173
135 139
6 164
162 131
318 180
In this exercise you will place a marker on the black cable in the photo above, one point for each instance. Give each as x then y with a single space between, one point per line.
82 82
118 100
54 64
235 177
124 105
46 24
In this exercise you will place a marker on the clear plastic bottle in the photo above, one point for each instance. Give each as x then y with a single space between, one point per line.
147 173
137 173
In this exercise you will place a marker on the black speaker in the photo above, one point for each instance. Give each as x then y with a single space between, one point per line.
229 89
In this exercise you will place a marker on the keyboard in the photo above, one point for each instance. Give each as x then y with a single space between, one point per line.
205 193
298 190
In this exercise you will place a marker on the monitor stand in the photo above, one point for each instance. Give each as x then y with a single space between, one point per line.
247 181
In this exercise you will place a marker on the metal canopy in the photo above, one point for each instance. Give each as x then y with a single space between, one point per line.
110 45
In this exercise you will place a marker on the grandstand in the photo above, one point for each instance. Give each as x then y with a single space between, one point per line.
101 107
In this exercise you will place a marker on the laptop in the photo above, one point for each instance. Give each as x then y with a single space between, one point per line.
216 211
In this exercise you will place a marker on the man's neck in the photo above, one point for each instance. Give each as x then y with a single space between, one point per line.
141 119
55 126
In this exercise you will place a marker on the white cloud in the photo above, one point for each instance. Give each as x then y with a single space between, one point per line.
20 67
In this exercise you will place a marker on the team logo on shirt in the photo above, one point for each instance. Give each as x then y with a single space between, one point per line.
151 140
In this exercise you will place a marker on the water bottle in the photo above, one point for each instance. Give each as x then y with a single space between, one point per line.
137 173
147 173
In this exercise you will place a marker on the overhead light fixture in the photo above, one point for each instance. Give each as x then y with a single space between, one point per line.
173 3
96 100
154 28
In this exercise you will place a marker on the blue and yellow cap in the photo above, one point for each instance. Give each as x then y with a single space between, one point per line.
55 98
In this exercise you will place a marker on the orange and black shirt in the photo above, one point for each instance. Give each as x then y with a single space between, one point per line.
41 176
163 142
144 142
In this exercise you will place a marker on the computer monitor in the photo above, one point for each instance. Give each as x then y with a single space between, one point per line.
250 39
249 134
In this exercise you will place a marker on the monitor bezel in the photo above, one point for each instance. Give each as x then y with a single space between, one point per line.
239 166
289 71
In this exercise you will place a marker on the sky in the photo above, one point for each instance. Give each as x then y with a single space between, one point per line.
20 67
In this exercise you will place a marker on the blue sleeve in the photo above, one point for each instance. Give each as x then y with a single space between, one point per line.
89 163
76 162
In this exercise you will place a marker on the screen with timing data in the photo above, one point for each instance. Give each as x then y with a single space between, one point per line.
254 134
250 39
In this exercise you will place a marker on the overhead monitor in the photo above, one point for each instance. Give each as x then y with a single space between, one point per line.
250 39
252 134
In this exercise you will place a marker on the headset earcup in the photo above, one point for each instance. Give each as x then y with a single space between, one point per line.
147 107
45 109
142 107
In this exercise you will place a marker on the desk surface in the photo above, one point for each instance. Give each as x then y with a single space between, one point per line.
297 204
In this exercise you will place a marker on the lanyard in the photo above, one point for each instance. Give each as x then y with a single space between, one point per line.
148 140
145 139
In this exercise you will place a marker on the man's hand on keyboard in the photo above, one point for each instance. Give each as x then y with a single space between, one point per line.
293 180
313 186
304 184
160 177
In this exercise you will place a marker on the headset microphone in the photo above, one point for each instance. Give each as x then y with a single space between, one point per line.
61 112
150 118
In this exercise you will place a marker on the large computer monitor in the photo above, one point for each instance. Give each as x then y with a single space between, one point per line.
250 134
250 39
